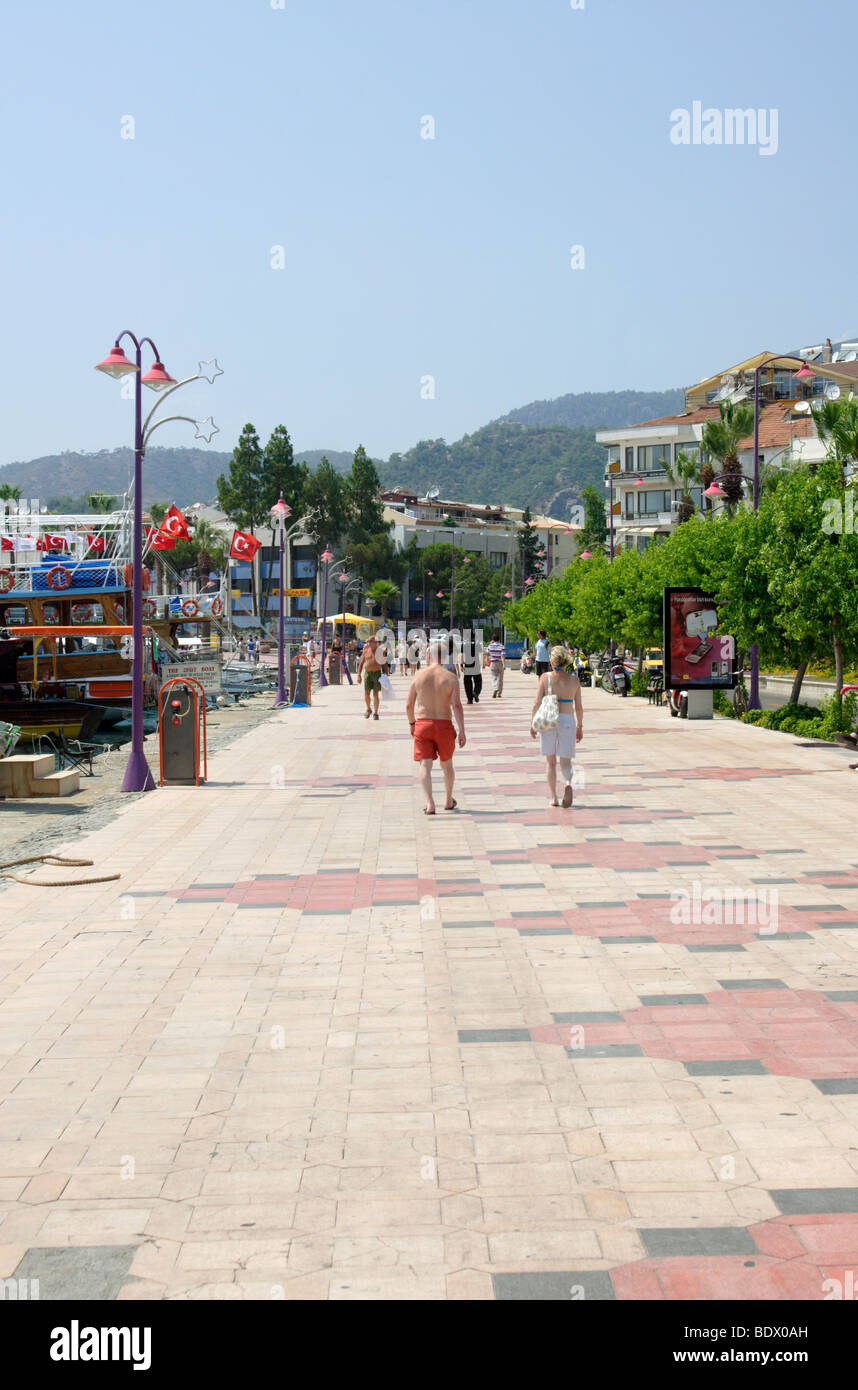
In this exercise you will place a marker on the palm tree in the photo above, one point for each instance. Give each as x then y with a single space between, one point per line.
8 493
721 438
210 548
100 502
685 472
837 425
383 592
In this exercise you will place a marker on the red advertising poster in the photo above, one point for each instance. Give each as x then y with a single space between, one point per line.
695 656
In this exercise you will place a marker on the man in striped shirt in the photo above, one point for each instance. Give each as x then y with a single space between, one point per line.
497 661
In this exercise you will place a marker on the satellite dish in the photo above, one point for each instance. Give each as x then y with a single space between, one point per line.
801 407
728 380
832 392
722 394
851 357
433 493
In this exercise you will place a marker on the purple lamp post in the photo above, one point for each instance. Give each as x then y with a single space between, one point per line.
327 557
138 777
279 513
345 580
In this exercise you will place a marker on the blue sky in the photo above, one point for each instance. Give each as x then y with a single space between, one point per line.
300 127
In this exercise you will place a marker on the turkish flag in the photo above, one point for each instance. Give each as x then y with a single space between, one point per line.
156 540
96 544
244 546
175 526
6 543
51 542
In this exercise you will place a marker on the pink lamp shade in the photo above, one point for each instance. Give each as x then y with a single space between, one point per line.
116 364
586 554
326 556
281 509
440 593
344 579
639 482
508 593
158 378
804 373
713 490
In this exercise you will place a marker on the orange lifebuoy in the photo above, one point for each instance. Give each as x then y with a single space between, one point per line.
128 577
190 607
150 608
7 581
217 607
81 612
58 577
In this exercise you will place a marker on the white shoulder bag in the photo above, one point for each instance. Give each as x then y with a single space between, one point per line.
548 714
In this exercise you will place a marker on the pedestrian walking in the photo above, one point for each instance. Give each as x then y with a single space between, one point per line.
557 744
433 704
497 663
471 664
541 655
370 668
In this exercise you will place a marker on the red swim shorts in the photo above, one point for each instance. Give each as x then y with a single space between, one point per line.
434 738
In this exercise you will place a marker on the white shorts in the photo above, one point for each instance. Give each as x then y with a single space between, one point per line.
559 742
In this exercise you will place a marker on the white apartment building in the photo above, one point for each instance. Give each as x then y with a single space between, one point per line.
643 502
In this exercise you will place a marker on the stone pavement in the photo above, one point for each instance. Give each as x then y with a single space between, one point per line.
314 1045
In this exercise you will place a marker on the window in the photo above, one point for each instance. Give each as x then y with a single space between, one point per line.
649 455
497 559
630 504
652 501
691 449
630 459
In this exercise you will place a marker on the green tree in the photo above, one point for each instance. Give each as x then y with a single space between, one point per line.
594 533
685 471
528 545
362 489
8 493
242 493
721 438
382 594
100 502
375 557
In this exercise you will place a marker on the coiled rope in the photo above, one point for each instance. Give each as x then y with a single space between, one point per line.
54 859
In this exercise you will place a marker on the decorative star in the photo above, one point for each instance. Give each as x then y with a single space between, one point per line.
216 370
207 434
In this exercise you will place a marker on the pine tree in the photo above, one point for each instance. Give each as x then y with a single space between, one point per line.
241 495
528 544
594 532
362 489
281 475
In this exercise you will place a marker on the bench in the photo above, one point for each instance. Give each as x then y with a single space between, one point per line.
655 690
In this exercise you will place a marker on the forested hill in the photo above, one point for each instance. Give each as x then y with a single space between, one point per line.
599 409
541 468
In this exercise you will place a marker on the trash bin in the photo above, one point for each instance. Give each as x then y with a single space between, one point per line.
182 732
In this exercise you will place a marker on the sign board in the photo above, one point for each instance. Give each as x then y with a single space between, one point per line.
206 670
695 658
293 593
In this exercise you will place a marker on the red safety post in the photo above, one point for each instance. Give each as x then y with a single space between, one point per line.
199 696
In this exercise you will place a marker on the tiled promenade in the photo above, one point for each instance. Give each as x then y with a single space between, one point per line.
316 1045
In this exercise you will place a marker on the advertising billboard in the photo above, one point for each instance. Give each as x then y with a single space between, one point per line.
695 658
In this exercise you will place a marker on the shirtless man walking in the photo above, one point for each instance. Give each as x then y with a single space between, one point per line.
433 703
370 669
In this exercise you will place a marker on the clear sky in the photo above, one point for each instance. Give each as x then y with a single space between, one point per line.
260 126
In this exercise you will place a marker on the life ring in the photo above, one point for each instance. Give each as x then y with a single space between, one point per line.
217 607
150 608
128 576
58 577
7 581
190 608
81 612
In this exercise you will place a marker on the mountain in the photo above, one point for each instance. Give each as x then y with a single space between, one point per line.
504 462
541 454
599 409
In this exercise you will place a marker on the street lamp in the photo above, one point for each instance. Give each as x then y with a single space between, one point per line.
346 582
279 514
138 777
327 557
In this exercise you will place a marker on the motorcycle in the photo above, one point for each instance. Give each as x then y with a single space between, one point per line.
616 680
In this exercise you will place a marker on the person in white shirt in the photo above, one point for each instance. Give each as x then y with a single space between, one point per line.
497 663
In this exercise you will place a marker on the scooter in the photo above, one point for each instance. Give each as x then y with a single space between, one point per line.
616 680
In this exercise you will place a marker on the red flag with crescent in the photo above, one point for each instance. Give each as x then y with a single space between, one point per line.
174 525
6 543
156 540
95 543
51 542
244 546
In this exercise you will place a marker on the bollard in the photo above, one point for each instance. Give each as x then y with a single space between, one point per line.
182 731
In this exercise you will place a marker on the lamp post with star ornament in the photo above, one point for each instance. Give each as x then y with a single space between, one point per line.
327 557
279 514
138 777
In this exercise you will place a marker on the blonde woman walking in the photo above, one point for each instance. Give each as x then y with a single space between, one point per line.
558 744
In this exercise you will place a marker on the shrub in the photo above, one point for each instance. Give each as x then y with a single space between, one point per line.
722 704
640 681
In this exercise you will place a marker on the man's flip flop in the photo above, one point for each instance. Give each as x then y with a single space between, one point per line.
453 807
427 812
567 797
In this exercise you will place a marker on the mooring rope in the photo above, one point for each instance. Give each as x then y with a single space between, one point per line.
54 859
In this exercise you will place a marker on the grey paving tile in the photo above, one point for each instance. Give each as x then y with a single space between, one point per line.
494 1035
596 1016
731 1066
835 926
838 1085
583 905
626 940
589 1285
700 947
653 1001
819 907
752 984
545 931
88 1272
698 1240
556 915
814 1201
842 996
605 1050
462 925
